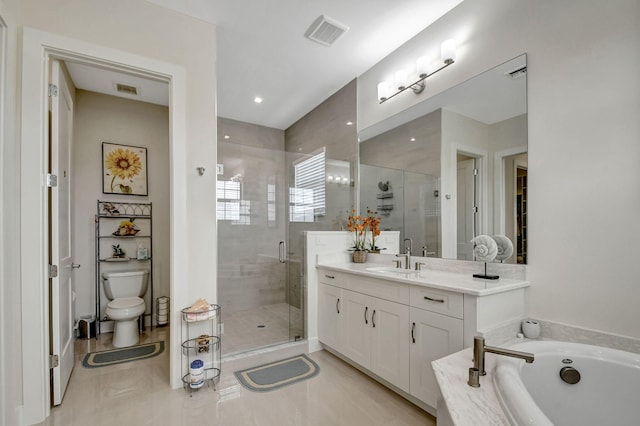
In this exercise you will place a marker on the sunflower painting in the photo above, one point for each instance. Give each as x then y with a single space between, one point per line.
124 169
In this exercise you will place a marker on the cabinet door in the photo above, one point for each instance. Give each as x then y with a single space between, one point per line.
356 326
330 316
390 342
435 336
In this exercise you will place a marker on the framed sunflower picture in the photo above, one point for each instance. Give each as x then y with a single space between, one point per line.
124 169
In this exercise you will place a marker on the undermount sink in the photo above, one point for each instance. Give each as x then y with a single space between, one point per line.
391 269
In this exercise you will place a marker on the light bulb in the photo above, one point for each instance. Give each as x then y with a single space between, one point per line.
384 90
422 66
401 79
448 51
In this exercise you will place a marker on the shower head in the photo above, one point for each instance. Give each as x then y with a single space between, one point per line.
383 186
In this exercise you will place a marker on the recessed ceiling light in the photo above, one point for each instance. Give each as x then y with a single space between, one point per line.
412 139
257 100
227 136
349 123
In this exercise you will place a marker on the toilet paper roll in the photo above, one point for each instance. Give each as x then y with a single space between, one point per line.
531 329
164 311
162 319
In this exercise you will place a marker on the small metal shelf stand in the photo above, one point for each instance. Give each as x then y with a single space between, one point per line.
200 340
108 214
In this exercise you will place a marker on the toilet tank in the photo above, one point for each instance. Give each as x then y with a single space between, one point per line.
119 284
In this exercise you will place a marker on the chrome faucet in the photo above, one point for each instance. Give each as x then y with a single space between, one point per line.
479 349
407 259
408 249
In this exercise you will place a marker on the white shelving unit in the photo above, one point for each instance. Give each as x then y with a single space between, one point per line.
109 215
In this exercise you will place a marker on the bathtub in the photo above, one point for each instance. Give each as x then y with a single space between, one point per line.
607 393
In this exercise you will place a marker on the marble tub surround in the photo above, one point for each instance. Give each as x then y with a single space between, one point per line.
468 406
504 332
568 333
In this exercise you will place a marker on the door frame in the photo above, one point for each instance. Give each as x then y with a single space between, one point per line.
450 236
498 186
38 48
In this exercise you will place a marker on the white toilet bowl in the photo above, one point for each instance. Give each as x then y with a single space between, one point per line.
125 312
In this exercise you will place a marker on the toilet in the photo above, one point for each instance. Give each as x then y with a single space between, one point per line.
124 289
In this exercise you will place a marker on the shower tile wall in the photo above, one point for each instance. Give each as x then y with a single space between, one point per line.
324 127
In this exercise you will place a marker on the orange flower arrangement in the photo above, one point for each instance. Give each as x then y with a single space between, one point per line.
360 226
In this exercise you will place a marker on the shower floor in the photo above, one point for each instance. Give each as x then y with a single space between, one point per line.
259 327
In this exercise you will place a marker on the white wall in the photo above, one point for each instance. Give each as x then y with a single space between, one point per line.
10 327
101 118
583 142
148 35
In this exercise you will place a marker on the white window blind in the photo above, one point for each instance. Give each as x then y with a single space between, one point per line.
307 198
229 205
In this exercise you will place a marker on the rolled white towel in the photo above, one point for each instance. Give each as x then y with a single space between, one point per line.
484 248
505 247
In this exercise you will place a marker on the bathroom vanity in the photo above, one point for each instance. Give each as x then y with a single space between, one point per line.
393 322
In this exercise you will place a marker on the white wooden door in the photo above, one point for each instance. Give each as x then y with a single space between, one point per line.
62 337
357 327
435 336
390 342
465 204
330 316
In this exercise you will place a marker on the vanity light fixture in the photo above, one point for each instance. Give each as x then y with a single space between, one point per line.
388 89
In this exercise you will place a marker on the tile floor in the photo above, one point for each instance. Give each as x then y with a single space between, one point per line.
241 331
138 393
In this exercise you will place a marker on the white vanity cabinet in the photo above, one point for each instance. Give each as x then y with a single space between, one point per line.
330 329
395 327
376 336
433 336
368 330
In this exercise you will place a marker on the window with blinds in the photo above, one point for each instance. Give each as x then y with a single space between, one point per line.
230 206
307 197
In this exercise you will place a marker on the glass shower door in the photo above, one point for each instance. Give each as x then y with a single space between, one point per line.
252 273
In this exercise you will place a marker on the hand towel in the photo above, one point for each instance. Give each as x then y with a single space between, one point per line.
484 248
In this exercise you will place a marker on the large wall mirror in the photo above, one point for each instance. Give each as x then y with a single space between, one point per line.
453 167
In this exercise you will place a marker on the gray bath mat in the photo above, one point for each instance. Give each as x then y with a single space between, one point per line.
278 374
116 356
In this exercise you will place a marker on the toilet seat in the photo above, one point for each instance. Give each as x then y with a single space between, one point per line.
125 308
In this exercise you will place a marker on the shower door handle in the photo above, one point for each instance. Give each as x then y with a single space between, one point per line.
282 252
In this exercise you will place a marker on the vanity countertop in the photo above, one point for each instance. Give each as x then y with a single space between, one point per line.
461 283
468 406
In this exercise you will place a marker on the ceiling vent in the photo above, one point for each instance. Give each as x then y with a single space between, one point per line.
126 89
325 30
520 72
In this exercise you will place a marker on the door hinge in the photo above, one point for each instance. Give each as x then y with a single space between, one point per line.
53 90
475 171
52 180
53 271
54 361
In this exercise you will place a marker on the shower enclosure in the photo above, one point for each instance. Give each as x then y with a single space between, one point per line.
266 199
259 303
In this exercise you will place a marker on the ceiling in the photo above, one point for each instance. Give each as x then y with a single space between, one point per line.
263 51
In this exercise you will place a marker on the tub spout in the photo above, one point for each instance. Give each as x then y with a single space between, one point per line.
479 349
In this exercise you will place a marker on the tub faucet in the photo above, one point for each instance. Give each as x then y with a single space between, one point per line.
479 349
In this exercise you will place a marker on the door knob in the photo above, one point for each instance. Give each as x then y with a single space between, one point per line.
75 266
